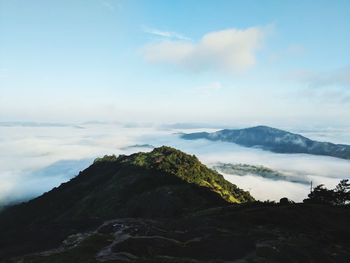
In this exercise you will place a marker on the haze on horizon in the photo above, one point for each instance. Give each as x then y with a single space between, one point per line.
229 62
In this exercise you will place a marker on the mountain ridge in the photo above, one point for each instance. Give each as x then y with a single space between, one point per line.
274 140
160 184
155 208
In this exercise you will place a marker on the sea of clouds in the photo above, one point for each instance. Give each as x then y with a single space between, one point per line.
36 158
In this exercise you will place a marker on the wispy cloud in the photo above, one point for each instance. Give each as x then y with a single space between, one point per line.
164 34
331 86
109 5
327 96
338 77
231 50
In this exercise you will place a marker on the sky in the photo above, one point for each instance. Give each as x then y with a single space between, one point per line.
231 62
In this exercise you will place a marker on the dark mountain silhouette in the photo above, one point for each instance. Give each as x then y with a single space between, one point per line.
165 206
162 183
274 140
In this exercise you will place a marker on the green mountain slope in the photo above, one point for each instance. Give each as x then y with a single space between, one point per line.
163 183
167 207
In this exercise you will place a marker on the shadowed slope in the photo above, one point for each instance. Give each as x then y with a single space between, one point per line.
163 183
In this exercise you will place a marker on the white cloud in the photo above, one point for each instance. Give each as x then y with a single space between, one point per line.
231 50
39 148
164 34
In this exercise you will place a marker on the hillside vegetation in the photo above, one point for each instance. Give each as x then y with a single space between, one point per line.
167 207
163 183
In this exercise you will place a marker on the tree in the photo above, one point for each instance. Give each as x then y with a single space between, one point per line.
342 191
321 195
340 195
285 201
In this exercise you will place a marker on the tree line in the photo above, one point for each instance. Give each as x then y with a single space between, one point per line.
340 195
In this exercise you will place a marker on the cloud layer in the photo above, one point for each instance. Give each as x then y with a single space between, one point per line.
230 50
33 159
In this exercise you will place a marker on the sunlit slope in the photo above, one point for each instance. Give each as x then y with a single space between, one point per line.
163 183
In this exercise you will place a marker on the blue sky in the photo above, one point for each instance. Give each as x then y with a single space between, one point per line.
232 62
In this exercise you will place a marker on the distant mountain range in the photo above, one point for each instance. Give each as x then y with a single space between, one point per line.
274 140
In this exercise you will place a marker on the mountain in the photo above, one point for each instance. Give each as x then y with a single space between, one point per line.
163 183
274 140
167 207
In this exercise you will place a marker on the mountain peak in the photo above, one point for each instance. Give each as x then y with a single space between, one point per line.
262 127
172 162
259 128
